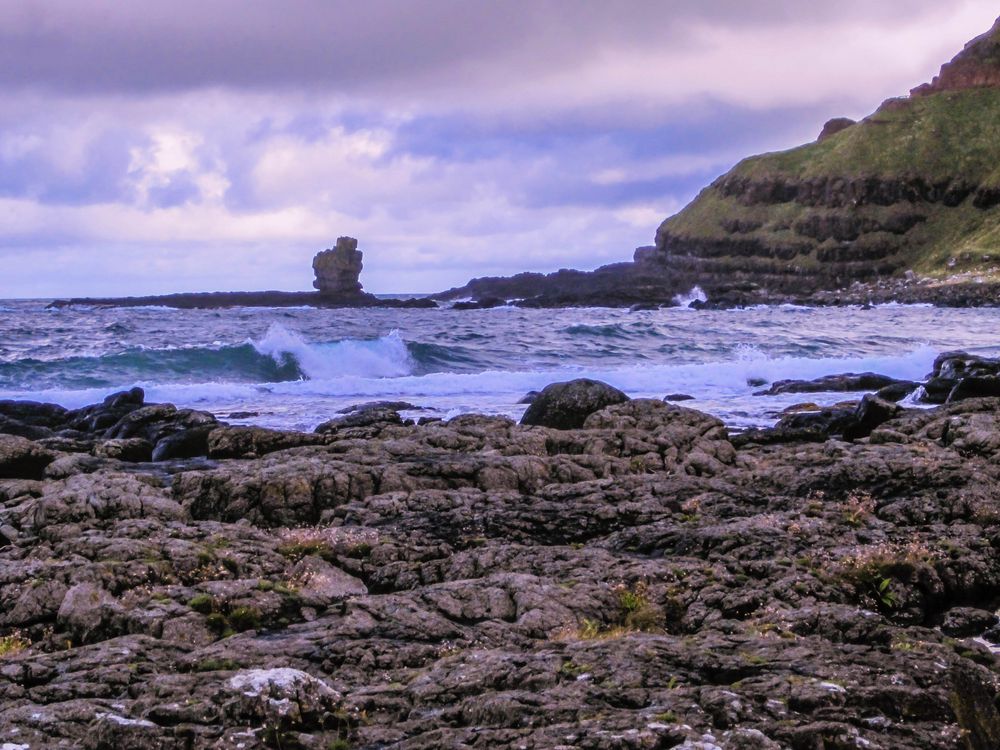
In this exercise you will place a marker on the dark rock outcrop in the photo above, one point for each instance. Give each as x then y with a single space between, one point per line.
834 126
566 406
977 66
957 376
847 382
337 270
636 583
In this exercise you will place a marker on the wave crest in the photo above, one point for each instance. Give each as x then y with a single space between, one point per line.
384 357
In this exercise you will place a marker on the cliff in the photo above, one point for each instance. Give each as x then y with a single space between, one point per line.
903 205
915 186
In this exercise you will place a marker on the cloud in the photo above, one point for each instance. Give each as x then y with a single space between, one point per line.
188 146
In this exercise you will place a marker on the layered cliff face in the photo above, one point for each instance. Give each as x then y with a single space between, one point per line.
915 186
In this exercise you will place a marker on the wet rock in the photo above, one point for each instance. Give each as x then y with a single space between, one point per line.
10 426
897 391
827 421
975 387
872 412
485 303
373 417
133 397
956 365
372 405
565 406
847 382
528 397
678 397
183 444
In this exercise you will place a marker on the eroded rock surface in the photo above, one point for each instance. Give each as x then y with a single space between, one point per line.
636 582
337 270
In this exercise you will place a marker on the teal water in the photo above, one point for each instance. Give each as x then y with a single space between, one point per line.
295 367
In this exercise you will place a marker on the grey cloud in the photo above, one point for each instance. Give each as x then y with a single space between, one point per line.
102 46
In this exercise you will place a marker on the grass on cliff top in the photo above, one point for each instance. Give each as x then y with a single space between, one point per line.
954 134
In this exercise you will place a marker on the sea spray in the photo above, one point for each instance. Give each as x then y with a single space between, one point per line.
297 367
697 294
384 357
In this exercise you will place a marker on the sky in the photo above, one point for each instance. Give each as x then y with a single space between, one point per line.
154 147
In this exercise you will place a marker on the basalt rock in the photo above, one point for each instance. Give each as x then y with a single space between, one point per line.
337 270
635 583
957 376
566 406
848 382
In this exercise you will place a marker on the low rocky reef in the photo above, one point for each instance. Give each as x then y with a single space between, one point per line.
611 573
337 271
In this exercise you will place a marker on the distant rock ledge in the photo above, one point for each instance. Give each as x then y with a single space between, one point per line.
337 273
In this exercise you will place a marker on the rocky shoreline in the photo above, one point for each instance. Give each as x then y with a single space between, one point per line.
612 574
617 288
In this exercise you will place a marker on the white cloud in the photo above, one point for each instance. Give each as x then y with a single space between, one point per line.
211 180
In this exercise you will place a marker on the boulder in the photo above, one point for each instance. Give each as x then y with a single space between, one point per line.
10 426
125 449
132 397
871 413
279 696
33 413
87 611
829 421
22 459
955 365
962 622
183 444
566 406
337 270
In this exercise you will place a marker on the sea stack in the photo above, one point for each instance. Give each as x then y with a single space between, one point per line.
337 270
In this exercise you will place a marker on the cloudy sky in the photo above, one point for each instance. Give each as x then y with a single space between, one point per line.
194 145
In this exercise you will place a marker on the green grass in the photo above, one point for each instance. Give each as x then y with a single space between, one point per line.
13 644
948 137
954 134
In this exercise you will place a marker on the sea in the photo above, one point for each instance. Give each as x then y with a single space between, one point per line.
293 368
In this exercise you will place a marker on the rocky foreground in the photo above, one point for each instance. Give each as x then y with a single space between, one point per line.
636 579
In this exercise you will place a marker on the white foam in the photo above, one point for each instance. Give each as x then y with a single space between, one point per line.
385 357
696 294
352 371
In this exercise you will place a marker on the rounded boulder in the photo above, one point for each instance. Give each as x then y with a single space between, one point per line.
566 406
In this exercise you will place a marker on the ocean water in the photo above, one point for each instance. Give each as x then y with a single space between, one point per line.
297 367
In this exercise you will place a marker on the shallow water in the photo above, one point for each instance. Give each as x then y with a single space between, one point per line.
296 367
